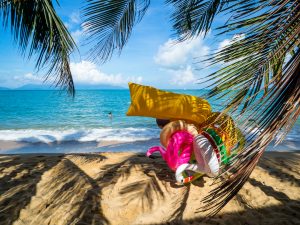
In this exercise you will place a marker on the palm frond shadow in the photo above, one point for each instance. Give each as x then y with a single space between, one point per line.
89 210
70 190
270 191
264 215
22 175
75 187
18 180
280 214
281 174
150 190
178 213
145 189
155 179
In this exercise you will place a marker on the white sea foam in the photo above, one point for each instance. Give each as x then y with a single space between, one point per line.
83 135
128 134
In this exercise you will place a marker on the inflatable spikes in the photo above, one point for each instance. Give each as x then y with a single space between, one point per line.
196 141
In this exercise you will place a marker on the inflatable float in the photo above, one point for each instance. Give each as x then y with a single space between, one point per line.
151 102
195 141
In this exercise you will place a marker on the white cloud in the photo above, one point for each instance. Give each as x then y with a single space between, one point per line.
183 76
75 26
73 21
173 54
29 78
137 80
86 72
83 72
75 17
226 42
77 34
176 59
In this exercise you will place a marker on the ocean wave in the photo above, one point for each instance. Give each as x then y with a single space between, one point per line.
129 134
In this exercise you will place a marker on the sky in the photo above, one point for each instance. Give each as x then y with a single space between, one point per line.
151 56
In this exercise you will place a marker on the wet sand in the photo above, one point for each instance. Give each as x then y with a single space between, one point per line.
128 188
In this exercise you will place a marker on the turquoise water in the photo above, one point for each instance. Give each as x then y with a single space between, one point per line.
52 109
49 116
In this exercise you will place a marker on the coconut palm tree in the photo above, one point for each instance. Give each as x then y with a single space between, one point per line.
260 73
39 31
261 68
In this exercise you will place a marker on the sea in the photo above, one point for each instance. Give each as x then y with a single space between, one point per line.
53 122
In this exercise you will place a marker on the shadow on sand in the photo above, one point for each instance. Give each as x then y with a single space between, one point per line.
47 189
18 178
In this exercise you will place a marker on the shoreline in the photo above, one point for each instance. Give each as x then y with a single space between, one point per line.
15 147
22 147
129 188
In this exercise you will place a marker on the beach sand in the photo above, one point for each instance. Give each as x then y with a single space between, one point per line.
128 188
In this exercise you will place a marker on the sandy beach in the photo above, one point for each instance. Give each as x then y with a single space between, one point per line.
128 188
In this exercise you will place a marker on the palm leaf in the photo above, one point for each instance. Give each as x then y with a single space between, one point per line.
192 17
109 24
262 82
39 31
260 76
282 111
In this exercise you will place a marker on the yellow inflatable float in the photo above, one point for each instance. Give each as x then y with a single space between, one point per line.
195 140
151 102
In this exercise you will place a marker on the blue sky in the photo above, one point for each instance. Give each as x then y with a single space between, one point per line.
149 58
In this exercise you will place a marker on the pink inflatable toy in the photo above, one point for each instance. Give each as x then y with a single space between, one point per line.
179 149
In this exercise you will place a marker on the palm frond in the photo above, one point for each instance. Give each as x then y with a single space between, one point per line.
193 17
282 111
37 28
260 73
109 24
262 80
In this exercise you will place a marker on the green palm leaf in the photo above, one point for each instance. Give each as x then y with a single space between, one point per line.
192 17
37 28
261 69
109 24
262 81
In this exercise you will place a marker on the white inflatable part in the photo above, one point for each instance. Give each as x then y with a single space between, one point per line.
205 155
184 167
